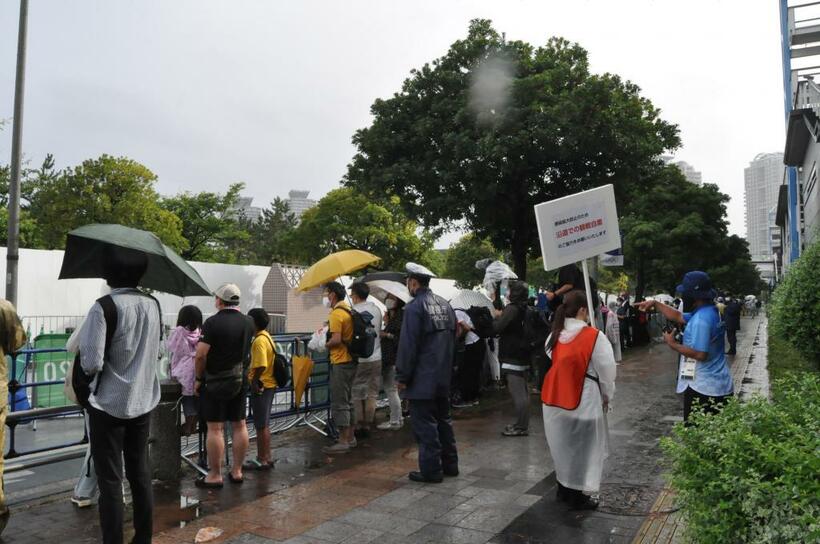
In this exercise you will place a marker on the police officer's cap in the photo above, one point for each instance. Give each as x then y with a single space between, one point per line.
418 271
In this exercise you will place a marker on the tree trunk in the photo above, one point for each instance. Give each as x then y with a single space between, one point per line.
519 254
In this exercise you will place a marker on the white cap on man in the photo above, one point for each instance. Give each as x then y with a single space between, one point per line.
418 270
228 292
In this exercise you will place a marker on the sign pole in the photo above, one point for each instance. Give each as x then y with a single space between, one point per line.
590 303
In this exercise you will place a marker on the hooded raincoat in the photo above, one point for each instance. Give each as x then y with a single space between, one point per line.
579 439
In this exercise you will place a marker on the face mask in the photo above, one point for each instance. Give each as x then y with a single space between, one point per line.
326 302
390 304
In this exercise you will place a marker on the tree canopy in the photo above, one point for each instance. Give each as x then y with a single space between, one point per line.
347 219
494 127
461 259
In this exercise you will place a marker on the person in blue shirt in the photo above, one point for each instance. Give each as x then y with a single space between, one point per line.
703 374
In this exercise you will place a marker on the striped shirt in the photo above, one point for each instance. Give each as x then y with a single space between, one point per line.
129 386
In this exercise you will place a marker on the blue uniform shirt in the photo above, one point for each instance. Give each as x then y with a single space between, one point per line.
705 332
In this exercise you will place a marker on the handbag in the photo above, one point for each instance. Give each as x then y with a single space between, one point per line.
225 384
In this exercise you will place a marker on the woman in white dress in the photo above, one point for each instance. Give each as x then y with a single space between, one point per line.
576 395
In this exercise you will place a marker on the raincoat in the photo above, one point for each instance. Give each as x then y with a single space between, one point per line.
579 439
613 334
182 348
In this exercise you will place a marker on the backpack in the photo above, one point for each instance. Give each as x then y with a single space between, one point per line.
363 343
78 385
482 321
536 328
80 381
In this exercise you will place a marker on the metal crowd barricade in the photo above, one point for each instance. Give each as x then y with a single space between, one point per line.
30 415
313 410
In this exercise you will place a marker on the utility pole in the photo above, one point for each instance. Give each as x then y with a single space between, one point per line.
13 250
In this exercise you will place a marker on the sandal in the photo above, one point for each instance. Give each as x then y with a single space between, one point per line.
203 484
256 464
235 480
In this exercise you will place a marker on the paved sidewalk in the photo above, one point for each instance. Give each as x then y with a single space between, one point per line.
505 493
665 524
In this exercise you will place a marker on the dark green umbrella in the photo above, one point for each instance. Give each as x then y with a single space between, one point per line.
167 271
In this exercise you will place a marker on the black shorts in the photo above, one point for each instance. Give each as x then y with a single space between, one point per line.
219 411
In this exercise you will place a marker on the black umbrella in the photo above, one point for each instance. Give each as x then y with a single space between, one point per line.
399 277
167 271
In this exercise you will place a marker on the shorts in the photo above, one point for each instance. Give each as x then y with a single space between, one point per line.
219 411
260 404
367 380
190 406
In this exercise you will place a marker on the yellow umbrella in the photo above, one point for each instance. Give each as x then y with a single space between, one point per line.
302 369
335 265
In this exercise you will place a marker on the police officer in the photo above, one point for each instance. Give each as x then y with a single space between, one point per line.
423 368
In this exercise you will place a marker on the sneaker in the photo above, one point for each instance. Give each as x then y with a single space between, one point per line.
417 476
82 502
353 444
515 432
336 449
389 426
462 404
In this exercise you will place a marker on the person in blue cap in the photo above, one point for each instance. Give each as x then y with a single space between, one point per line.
424 364
703 374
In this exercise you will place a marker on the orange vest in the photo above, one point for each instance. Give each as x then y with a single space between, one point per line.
564 382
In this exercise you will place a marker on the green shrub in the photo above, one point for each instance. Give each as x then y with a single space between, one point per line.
752 473
795 307
784 358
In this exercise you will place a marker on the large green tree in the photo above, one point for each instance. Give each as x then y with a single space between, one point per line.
678 226
347 219
494 127
461 259
102 190
267 239
209 221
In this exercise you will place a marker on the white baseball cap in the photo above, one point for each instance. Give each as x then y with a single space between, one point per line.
229 292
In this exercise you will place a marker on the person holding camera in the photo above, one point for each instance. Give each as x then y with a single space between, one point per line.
703 375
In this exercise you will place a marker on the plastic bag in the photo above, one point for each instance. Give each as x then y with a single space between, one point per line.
318 340
497 272
206 534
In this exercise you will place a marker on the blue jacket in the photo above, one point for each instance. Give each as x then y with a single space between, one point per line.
426 347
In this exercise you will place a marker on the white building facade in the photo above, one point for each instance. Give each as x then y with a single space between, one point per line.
299 202
762 180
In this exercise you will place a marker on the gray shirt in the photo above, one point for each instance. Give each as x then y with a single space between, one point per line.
129 386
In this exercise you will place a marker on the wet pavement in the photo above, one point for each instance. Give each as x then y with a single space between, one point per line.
505 493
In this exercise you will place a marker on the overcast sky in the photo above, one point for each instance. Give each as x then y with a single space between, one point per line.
206 93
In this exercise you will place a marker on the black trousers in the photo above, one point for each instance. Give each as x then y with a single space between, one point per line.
731 336
710 405
113 439
468 375
430 419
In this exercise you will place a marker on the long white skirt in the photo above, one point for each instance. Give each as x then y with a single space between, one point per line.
578 441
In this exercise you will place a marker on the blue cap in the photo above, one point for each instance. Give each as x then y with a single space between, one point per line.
697 285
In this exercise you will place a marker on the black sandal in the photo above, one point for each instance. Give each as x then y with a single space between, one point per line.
203 484
234 480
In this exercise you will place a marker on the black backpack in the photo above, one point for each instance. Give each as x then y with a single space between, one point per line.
280 367
482 321
363 343
536 328
80 381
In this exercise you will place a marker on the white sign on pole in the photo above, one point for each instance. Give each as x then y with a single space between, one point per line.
576 227
611 258
579 226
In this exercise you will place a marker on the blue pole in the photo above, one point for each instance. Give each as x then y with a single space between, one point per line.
791 172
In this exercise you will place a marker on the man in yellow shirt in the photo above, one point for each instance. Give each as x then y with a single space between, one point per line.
263 387
342 365
12 338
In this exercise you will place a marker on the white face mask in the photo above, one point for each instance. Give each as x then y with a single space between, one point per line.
390 303
326 302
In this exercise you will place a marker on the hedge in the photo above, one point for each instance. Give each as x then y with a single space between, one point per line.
794 312
752 472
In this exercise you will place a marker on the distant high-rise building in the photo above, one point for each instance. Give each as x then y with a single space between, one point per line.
688 171
299 202
762 184
244 209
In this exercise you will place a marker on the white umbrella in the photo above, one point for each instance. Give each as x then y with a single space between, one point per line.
666 299
381 288
750 297
467 298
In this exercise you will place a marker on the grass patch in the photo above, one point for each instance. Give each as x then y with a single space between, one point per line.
784 359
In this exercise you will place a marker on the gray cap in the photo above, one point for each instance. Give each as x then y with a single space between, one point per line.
229 292
418 270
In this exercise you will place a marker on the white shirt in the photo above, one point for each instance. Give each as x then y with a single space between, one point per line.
373 310
464 318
